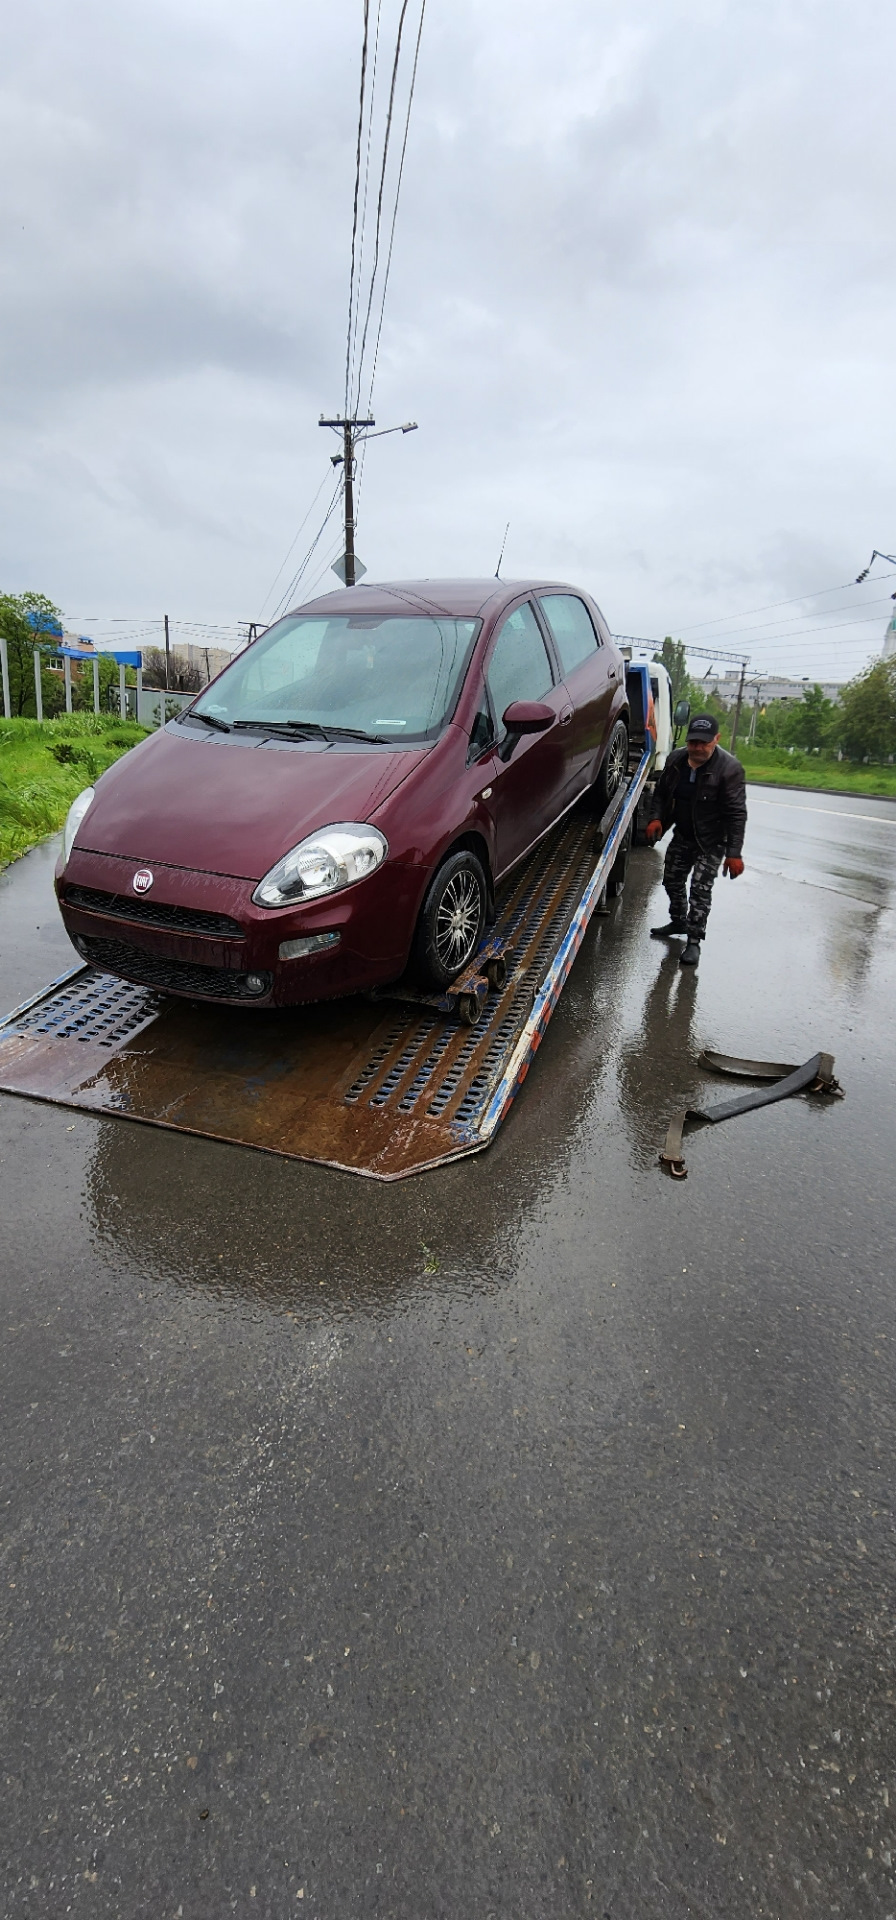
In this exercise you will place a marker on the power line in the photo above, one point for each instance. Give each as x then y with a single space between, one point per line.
771 604
302 524
287 596
760 625
801 633
387 134
370 112
351 282
404 146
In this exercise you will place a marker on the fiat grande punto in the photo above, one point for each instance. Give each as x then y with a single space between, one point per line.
337 808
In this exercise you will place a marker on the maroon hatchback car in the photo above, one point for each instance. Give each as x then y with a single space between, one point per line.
337 808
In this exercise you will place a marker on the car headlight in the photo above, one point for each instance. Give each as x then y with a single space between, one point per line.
76 814
325 862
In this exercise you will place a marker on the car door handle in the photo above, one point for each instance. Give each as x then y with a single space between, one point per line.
566 716
611 673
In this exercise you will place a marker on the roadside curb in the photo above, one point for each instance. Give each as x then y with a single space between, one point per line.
847 793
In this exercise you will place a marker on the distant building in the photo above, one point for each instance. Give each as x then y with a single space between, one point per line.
888 650
55 662
772 686
210 660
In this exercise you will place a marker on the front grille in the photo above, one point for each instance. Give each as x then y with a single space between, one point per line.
154 913
170 976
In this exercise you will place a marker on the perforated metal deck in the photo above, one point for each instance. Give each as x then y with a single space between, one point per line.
339 1082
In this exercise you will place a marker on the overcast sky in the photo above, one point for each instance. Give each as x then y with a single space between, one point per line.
642 304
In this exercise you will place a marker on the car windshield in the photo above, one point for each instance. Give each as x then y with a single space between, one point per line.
392 676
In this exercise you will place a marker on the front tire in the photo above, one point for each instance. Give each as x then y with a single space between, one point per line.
613 769
451 921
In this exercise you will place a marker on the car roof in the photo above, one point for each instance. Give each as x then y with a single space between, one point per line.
461 599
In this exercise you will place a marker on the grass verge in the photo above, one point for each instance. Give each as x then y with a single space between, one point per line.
45 764
777 768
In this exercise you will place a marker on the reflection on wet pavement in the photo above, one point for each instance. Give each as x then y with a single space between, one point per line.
516 1540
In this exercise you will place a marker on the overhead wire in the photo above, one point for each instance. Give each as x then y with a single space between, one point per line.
856 620
387 134
287 596
817 594
351 283
293 543
404 148
363 231
388 268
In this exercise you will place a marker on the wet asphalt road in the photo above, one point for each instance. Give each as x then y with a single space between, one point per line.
515 1541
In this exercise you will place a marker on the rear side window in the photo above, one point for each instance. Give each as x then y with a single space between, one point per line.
570 624
519 668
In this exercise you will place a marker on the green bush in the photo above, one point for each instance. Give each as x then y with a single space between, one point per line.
45 764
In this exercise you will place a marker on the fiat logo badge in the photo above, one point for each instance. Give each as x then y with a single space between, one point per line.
142 881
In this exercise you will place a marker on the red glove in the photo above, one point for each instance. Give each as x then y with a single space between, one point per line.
654 832
734 866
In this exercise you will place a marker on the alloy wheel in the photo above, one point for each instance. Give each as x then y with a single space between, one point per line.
616 760
457 921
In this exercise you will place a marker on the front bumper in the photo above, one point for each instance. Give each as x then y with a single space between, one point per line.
201 936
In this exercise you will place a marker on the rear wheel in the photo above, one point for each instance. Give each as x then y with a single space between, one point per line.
614 767
451 921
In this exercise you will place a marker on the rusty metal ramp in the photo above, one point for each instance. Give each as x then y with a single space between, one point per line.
383 1090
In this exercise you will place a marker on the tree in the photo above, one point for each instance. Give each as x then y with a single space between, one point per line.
184 678
672 656
811 719
29 620
867 722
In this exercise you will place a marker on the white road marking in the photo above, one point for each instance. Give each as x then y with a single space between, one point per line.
836 813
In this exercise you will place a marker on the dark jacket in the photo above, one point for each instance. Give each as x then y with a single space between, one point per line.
720 800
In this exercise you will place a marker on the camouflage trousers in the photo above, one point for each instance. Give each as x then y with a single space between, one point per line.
681 858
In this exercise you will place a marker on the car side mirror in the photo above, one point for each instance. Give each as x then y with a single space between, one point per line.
524 716
682 713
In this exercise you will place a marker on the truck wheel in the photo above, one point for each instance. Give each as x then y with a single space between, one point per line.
616 877
614 767
451 921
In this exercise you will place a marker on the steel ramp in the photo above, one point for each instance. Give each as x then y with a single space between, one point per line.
348 1084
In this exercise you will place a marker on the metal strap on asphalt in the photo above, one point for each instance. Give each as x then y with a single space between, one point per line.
814 1076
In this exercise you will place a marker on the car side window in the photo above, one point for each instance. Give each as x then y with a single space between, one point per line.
519 667
572 628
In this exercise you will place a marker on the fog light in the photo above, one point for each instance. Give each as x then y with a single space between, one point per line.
311 943
257 983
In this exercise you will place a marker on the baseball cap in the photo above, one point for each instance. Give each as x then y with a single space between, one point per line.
702 727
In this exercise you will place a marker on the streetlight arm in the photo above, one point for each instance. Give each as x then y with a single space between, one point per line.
410 426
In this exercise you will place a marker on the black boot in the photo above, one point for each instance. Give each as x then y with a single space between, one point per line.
691 954
672 931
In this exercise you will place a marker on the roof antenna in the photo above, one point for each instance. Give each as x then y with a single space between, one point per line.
501 554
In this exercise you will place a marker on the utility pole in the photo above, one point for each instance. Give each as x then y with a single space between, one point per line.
353 430
167 658
350 429
740 695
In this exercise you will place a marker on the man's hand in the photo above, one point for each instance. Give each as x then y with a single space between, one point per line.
654 832
734 866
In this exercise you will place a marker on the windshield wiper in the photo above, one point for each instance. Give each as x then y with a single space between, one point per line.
211 720
357 733
312 729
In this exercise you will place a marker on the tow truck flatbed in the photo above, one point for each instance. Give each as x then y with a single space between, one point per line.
381 1089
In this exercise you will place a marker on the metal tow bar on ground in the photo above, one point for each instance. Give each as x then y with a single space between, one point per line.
814 1076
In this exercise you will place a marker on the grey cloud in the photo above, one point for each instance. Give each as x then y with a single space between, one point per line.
641 299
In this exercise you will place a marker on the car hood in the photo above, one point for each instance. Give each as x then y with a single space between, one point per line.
220 805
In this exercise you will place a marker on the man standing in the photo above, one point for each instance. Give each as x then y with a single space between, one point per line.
702 791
